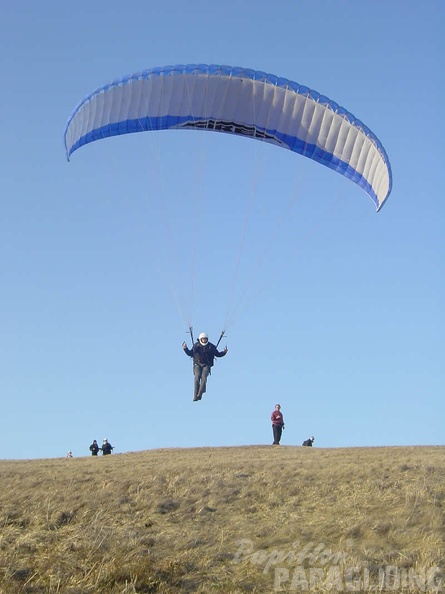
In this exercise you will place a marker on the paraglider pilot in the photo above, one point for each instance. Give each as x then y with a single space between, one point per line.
203 353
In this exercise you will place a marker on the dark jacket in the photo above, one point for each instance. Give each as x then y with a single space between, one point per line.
307 442
204 354
106 449
94 448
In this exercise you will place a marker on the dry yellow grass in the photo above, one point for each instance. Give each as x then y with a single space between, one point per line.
231 520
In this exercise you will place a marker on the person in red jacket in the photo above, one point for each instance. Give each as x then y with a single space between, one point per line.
277 424
203 353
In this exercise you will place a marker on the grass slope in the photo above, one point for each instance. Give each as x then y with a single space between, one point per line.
232 520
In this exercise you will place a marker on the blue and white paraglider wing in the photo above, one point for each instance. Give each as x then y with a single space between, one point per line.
236 101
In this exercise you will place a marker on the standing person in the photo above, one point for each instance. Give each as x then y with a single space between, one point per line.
94 448
203 353
277 424
106 447
69 454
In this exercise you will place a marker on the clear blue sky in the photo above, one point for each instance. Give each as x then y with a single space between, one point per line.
106 260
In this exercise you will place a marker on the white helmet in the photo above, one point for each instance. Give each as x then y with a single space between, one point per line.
203 338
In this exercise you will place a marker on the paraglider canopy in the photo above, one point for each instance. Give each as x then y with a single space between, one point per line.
236 101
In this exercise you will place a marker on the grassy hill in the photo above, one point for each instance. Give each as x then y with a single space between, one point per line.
231 520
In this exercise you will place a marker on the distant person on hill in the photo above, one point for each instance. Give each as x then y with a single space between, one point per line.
94 448
69 454
277 424
308 442
106 447
203 353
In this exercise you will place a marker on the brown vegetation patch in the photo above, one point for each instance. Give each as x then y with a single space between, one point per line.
223 520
